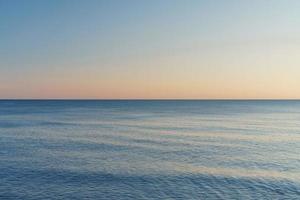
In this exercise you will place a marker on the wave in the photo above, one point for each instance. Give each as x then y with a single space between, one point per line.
49 183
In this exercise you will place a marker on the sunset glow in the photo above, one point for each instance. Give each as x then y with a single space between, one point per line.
150 49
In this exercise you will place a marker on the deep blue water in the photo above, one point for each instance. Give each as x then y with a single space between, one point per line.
149 149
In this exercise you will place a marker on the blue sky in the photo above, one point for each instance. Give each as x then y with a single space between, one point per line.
149 49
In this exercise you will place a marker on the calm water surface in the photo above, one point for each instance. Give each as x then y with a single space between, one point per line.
149 150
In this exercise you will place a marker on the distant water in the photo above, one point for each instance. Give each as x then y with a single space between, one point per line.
150 150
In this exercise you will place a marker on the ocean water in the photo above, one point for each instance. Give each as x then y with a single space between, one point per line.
149 149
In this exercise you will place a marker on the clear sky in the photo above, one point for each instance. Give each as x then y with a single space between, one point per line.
150 49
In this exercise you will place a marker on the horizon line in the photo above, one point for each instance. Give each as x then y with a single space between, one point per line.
149 99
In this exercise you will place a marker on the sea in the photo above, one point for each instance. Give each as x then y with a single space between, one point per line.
149 149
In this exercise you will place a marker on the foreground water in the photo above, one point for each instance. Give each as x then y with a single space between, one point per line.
149 149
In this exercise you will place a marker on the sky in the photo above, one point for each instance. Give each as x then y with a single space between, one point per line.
150 49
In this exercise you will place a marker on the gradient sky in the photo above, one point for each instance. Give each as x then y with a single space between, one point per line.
150 49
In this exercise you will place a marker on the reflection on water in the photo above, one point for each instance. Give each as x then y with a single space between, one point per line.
150 149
